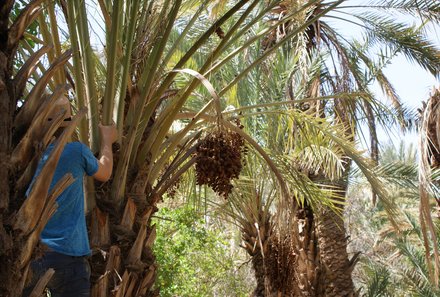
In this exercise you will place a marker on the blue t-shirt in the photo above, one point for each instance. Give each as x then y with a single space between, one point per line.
66 231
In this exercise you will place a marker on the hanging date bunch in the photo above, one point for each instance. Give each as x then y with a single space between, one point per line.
219 159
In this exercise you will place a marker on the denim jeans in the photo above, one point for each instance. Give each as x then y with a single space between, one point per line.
71 278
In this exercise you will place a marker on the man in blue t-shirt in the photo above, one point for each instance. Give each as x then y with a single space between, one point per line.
65 236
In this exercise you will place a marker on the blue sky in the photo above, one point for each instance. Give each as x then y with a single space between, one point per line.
413 84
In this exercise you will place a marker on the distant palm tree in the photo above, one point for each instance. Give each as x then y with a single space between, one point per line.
332 67
398 265
345 74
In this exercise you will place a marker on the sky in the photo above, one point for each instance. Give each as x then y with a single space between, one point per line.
412 83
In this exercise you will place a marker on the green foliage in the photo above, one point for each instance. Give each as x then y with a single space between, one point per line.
393 264
378 281
194 258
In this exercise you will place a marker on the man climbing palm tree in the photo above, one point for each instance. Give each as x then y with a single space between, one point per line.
64 239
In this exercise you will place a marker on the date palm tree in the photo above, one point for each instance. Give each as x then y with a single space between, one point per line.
276 231
341 67
343 73
24 133
399 264
147 85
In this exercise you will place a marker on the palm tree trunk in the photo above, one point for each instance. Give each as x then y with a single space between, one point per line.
8 277
429 161
290 264
308 268
332 241
253 241
11 241
10 273
293 266
280 267
5 130
258 265
257 237
129 250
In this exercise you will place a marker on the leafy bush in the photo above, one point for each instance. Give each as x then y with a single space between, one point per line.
195 258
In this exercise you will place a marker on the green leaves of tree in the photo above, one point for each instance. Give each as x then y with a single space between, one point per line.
194 257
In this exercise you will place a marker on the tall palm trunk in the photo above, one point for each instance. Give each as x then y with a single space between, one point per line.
330 228
5 115
9 279
10 273
257 237
292 263
337 267
286 263
258 266
308 271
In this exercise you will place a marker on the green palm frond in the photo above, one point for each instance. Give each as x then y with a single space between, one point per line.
415 269
406 39
332 132
252 202
427 9
378 280
417 276
320 158
303 189
414 227
400 174
418 287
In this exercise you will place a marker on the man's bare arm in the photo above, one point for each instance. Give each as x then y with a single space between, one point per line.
109 135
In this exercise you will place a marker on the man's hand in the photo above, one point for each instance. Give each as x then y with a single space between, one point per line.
109 134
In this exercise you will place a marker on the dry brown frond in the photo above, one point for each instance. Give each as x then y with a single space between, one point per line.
429 160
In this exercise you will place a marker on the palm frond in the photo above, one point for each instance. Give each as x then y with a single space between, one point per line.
408 40
418 276
378 280
429 10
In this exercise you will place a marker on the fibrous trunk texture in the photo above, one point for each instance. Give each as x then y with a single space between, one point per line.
7 278
290 263
256 236
5 131
258 265
21 147
333 250
125 264
308 266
